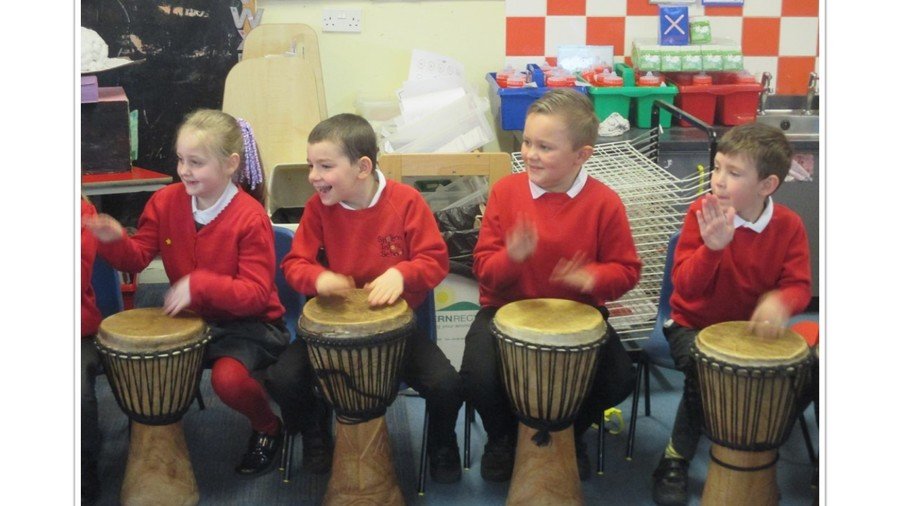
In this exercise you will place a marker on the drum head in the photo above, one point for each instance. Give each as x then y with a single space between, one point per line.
149 330
351 316
551 322
733 343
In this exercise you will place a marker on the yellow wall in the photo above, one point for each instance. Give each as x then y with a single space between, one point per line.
375 62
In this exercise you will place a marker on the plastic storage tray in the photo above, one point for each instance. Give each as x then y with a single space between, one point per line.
620 99
509 105
724 102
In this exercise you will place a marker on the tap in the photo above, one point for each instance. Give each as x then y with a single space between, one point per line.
812 90
764 94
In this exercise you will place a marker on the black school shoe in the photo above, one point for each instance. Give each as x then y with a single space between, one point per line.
444 464
498 458
317 453
582 459
262 451
90 482
670 482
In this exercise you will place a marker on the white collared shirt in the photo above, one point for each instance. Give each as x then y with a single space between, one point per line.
763 220
207 215
381 184
575 189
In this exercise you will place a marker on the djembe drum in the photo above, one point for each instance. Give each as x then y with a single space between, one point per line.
356 352
153 363
548 352
749 388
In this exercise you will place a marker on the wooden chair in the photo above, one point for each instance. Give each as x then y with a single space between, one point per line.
278 95
282 38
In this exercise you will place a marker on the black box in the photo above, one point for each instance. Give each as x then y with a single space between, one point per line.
105 133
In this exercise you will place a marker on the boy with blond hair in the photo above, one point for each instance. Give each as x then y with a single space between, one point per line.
550 232
740 257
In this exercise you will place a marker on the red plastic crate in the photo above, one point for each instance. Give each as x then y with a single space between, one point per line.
724 102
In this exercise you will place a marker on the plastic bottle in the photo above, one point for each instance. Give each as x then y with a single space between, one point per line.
649 79
701 79
503 76
611 80
516 80
744 77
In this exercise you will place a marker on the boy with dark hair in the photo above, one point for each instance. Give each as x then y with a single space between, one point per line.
361 230
740 257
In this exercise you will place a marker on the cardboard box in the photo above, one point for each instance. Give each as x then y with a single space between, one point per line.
674 27
456 304
105 133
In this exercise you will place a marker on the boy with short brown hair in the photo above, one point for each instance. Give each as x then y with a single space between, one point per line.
740 257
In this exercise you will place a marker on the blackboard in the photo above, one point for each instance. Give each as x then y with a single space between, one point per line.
188 47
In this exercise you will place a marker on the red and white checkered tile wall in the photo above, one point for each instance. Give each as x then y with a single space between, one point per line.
778 36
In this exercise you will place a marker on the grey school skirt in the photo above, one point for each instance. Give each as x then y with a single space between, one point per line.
255 344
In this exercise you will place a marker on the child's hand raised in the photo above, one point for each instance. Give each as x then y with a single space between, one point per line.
178 296
573 274
770 316
104 227
331 283
522 239
385 289
716 226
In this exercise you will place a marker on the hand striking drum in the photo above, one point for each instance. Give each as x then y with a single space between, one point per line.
153 363
749 388
356 352
548 352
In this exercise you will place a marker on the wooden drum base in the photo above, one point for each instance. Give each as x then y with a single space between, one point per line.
740 488
545 475
362 472
159 468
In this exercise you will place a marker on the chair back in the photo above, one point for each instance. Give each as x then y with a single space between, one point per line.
426 317
107 287
657 347
290 299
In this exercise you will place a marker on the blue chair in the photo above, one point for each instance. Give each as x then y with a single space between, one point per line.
291 300
655 351
426 317
107 286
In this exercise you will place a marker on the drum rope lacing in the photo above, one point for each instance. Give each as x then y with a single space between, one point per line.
525 366
155 388
749 408
358 376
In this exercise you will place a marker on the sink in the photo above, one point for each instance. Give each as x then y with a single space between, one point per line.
791 121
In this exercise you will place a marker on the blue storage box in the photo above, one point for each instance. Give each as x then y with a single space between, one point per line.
674 29
509 105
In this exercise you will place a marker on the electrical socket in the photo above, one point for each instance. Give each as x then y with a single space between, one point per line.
342 20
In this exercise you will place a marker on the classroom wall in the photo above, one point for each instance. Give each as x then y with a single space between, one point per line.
777 36
375 62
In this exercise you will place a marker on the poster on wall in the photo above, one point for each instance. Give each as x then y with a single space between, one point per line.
187 50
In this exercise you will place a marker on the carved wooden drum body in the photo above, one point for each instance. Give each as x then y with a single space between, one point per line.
154 364
548 352
749 388
357 352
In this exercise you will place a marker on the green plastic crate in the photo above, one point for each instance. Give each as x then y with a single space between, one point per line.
620 100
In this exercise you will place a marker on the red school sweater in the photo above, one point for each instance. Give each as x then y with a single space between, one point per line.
594 222
231 260
398 231
725 285
90 315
